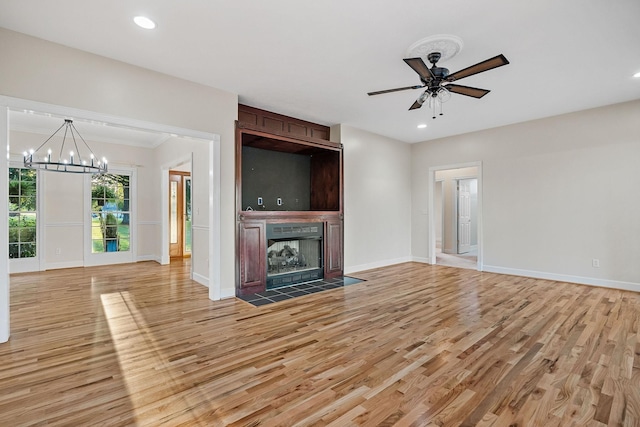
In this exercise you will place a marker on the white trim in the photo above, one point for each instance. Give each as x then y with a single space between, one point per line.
214 220
431 206
25 105
164 202
200 279
590 281
164 215
151 257
377 264
66 264
422 260
63 224
4 228
200 227
228 293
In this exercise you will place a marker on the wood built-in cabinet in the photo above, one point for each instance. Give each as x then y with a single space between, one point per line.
296 172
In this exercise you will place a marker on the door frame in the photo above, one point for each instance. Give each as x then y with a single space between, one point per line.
431 217
183 175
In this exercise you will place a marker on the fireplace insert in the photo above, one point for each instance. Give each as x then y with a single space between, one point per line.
294 253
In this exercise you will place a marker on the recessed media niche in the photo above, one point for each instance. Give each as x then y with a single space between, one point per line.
288 174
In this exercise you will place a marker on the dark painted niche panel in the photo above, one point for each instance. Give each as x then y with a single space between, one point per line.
273 175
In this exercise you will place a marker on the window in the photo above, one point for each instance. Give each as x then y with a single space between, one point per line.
110 213
23 189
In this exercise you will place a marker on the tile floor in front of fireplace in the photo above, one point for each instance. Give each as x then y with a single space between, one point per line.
287 292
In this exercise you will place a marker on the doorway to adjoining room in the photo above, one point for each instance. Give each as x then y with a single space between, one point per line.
455 216
180 215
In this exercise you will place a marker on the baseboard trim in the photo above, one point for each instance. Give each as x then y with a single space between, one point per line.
227 293
420 259
203 280
59 265
377 264
148 258
604 283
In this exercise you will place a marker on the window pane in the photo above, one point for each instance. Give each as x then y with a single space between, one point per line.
14 188
28 220
98 246
22 226
14 251
27 250
28 174
14 235
28 203
14 174
27 235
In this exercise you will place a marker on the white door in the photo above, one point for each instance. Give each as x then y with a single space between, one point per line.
464 215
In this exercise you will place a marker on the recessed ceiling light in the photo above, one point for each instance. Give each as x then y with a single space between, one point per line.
144 22
422 126
637 75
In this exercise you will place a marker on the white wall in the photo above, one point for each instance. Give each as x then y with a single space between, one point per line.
377 199
557 193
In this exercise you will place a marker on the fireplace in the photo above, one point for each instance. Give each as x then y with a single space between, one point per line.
294 253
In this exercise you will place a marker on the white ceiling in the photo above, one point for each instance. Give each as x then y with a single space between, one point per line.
316 60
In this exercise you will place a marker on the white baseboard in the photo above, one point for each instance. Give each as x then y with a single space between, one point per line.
613 284
141 258
227 293
420 259
377 264
203 280
68 264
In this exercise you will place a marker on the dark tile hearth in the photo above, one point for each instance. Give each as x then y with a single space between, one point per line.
288 292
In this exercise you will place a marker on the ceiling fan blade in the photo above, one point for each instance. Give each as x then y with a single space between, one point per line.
415 106
489 64
394 90
420 67
467 90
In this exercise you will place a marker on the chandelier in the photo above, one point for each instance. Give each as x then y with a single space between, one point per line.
82 160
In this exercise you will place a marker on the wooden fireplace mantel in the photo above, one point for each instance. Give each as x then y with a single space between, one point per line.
272 132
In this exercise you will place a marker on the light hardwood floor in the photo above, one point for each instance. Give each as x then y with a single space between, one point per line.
414 345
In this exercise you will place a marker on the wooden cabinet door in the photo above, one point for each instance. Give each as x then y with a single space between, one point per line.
253 254
333 249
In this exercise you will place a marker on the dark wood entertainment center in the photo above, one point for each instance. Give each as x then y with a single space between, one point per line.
273 147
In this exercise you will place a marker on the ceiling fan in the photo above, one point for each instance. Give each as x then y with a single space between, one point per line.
437 80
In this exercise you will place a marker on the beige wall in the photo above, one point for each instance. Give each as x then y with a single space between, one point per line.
557 193
38 70
377 199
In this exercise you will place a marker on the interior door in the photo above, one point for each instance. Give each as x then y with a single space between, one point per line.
464 215
176 216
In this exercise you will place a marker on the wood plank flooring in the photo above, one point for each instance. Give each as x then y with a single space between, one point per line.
414 345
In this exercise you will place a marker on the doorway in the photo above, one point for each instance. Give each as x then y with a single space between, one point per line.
455 219
180 214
